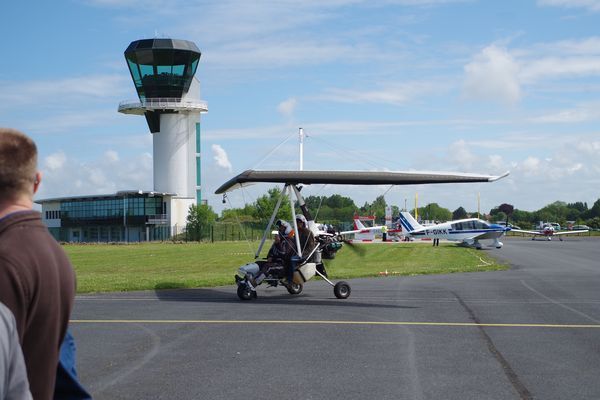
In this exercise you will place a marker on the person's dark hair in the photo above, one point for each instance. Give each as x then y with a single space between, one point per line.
18 163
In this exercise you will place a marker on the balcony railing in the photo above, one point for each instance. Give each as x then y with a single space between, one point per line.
158 219
161 103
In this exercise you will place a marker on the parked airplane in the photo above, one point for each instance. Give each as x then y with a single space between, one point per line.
548 230
368 233
468 231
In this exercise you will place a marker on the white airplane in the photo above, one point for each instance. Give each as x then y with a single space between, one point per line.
468 231
547 230
367 233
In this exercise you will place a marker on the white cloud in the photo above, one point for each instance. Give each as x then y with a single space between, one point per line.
586 46
64 176
76 118
55 161
396 97
559 66
220 157
66 89
531 166
592 5
278 53
391 93
567 116
461 155
111 156
493 74
287 107
590 148
557 170
574 168
495 162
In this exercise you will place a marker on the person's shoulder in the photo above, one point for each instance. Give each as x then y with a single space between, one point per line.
6 315
22 228
20 219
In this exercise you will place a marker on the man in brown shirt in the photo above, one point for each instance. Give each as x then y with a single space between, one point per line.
37 281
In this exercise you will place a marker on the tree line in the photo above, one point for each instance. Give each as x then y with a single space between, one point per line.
340 210
579 213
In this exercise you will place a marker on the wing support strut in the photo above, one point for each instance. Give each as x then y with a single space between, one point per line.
273 215
296 235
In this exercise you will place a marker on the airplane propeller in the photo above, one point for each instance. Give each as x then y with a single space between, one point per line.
360 250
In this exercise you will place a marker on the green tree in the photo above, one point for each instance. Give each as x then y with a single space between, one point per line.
595 210
522 218
499 216
331 210
507 209
594 223
377 208
434 212
579 206
554 212
199 218
245 214
459 213
265 205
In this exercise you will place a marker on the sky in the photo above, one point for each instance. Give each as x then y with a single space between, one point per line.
390 85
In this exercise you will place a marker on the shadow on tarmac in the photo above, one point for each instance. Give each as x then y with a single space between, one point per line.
211 295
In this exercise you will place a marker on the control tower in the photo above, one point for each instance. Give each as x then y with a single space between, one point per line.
169 97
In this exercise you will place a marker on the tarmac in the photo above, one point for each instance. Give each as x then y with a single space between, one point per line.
529 332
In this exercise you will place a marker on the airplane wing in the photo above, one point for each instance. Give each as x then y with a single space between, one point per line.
535 233
352 178
570 232
363 230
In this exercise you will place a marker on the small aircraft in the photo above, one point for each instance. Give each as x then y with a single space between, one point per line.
468 231
548 230
305 268
367 233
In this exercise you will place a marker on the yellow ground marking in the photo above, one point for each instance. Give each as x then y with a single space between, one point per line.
380 323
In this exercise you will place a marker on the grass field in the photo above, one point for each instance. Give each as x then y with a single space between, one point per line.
108 268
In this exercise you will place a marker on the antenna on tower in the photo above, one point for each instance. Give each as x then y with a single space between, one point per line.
301 139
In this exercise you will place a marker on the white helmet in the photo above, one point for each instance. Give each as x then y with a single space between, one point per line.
288 228
301 218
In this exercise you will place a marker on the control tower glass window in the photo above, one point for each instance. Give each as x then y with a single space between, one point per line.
162 68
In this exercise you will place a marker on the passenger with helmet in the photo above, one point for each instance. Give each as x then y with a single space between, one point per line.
280 252
307 245
307 239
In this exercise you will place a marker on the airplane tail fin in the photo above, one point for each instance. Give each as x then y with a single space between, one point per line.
358 225
408 222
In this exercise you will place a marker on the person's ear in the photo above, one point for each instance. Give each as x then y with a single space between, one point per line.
37 181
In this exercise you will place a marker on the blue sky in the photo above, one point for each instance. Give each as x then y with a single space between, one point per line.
471 86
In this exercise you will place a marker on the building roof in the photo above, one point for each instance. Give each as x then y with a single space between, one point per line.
121 193
175 44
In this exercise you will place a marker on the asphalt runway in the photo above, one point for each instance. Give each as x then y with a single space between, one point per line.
532 332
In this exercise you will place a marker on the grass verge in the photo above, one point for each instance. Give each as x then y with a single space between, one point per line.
147 266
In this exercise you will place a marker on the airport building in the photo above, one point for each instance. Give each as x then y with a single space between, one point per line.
163 72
